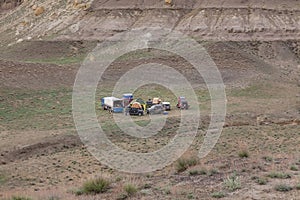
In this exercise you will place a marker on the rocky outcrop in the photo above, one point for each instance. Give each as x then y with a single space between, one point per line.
205 20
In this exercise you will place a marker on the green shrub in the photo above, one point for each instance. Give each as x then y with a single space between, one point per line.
279 175
294 168
202 171
260 180
232 182
194 172
298 186
2 179
243 154
96 186
130 189
268 158
182 164
218 195
166 191
283 188
212 172
190 196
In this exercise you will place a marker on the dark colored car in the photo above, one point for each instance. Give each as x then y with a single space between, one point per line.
182 103
155 109
149 103
136 111
167 106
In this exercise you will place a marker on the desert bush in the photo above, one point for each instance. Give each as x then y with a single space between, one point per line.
268 158
190 196
194 172
279 175
283 188
130 189
244 154
260 180
202 171
166 191
232 182
218 195
212 172
182 164
294 168
96 186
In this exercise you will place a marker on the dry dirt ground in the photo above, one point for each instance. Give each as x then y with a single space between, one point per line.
42 157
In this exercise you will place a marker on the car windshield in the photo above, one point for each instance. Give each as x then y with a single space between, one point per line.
118 104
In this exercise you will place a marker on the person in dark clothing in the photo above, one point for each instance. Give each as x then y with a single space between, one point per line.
127 108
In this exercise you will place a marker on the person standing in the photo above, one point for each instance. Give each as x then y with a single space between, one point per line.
127 110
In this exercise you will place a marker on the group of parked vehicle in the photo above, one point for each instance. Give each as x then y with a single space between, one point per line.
138 107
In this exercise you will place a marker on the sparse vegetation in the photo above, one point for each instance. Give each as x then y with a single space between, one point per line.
283 188
232 182
268 158
20 198
183 164
202 171
130 189
194 172
279 175
218 195
298 186
166 191
2 179
294 168
212 172
96 186
59 60
260 180
54 198
38 132
252 91
32 106
244 154
122 196
190 196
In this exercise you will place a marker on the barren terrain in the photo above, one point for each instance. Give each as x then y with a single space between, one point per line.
255 45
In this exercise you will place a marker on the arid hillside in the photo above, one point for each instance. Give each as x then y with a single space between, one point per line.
255 45
97 20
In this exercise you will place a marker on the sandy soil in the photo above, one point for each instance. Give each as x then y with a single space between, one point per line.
41 155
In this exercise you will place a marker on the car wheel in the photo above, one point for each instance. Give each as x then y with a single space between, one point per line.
140 114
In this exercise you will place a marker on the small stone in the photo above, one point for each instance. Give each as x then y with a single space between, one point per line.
20 40
76 2
34 7
39 10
